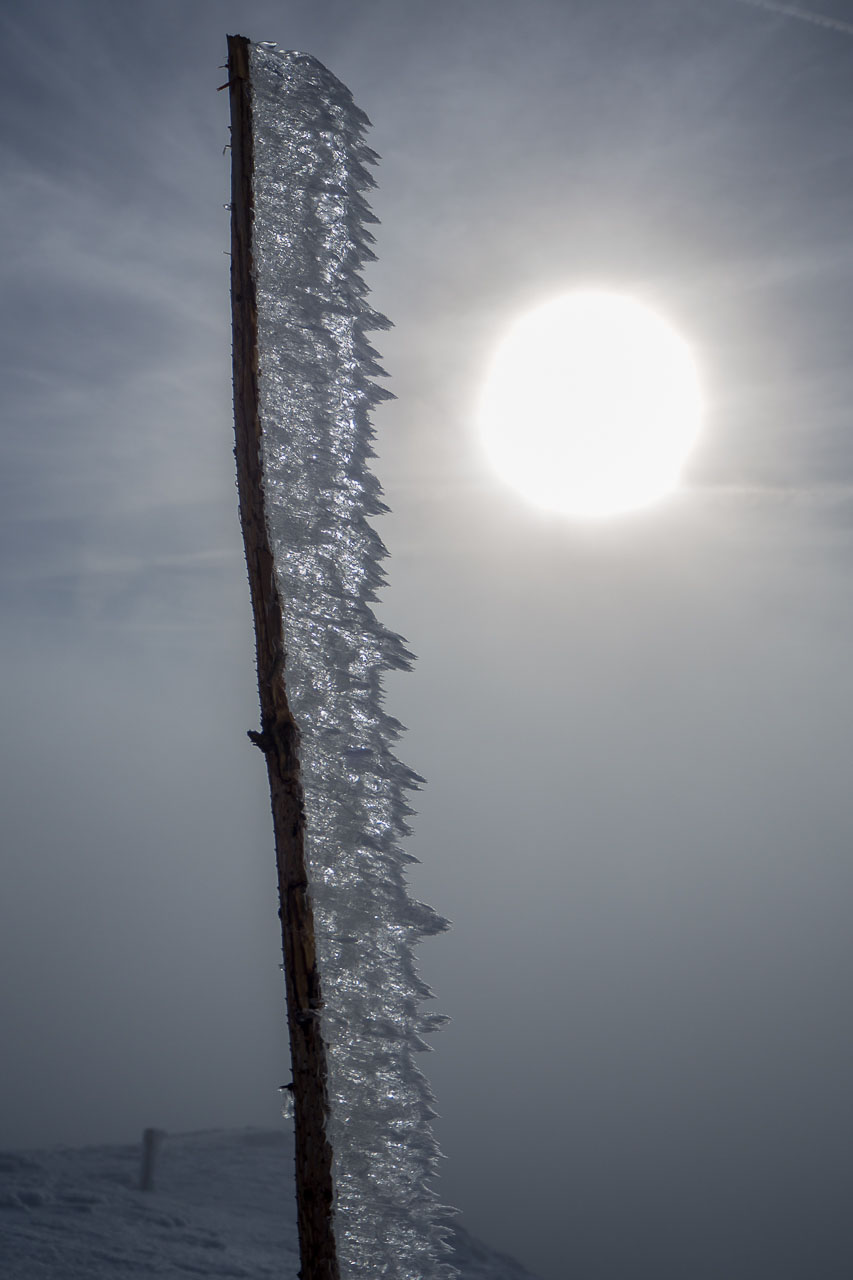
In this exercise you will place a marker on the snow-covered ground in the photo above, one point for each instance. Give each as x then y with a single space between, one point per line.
222 1205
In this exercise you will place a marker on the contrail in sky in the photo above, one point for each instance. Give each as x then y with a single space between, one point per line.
805 15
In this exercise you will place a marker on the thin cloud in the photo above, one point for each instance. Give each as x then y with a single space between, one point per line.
804 15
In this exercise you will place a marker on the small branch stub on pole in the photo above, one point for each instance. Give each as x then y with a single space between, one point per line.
279 736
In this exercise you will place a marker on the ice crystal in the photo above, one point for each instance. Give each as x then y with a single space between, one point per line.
317 389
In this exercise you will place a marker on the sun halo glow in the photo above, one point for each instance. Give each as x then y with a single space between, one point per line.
591 405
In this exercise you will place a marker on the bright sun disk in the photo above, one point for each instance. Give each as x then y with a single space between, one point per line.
591 405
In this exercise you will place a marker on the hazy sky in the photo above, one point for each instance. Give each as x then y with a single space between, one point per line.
638 735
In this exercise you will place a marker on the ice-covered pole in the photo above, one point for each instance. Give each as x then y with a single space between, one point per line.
279 737
304 388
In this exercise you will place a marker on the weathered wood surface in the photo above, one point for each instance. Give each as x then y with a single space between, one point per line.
279 735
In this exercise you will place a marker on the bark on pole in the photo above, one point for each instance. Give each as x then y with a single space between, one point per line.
279 735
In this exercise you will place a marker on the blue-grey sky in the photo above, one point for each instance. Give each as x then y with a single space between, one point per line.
638 736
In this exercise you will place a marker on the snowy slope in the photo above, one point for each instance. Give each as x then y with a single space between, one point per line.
222 1206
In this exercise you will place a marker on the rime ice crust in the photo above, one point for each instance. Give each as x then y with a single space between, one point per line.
316 393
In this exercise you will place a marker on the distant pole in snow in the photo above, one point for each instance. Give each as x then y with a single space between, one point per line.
152 1140
279 736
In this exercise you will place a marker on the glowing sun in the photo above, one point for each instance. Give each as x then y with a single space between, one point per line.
591 405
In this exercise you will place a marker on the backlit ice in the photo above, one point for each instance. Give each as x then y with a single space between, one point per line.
317 389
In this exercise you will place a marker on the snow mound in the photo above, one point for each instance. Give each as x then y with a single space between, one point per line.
223 1205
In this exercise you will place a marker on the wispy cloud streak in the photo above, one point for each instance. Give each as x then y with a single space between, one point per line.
804 15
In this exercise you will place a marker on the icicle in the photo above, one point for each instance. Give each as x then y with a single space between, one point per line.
316 394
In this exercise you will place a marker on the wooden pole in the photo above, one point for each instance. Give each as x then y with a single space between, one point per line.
152 1140
279 736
